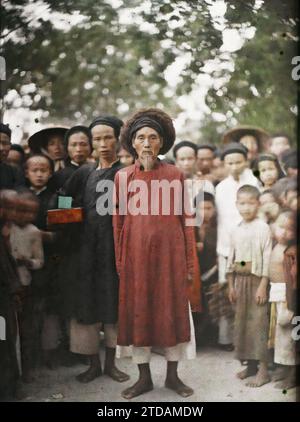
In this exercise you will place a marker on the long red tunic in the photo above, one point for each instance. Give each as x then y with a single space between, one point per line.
154 255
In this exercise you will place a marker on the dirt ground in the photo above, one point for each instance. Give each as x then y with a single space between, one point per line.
211 375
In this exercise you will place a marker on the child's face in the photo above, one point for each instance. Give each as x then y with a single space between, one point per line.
266 198
292 200
283 229
26 212
247 206
207 211
279 144
55 148
235 164
38 172
186 161
268 172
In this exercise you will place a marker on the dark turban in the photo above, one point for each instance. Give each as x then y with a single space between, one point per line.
157 119
108 120
5 129
77 129
184 144
207 146
234 148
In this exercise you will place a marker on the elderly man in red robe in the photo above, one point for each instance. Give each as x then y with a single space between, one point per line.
154 253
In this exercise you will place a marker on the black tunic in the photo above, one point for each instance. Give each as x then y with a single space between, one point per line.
97 285
60 177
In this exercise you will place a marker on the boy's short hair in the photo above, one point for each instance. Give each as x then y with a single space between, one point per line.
51 164
204 196
249 190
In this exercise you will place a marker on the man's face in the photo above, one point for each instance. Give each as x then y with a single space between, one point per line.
147 144
247 205
235 163
38 172
186 161
79 148
279 144
250 143
104 142
55 148
205 157
4 146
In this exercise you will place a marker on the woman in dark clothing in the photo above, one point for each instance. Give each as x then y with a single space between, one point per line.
96 291
78 147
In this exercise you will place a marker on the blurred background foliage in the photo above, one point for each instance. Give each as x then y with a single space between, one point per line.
113 56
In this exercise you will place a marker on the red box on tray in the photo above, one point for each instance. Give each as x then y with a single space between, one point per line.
64 216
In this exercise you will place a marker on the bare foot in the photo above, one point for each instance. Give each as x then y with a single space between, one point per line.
261 378
247 372
89 375
279 374
116 374
179 387
140 387
286 384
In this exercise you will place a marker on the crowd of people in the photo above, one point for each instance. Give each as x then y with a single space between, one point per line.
145 281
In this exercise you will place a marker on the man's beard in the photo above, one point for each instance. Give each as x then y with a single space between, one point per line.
147 160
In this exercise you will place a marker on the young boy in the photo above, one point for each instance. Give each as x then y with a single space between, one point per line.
247 274
235 162
27 249
38 170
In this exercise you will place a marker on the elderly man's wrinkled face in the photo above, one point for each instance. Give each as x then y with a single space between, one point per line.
4 146
186 161
147 144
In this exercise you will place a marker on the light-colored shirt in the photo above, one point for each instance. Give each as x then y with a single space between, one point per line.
26 242
251 242
227 212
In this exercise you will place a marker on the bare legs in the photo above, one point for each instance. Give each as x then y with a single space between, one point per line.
145 384
173 382
110 368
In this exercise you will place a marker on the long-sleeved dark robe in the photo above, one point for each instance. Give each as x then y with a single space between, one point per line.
96 284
